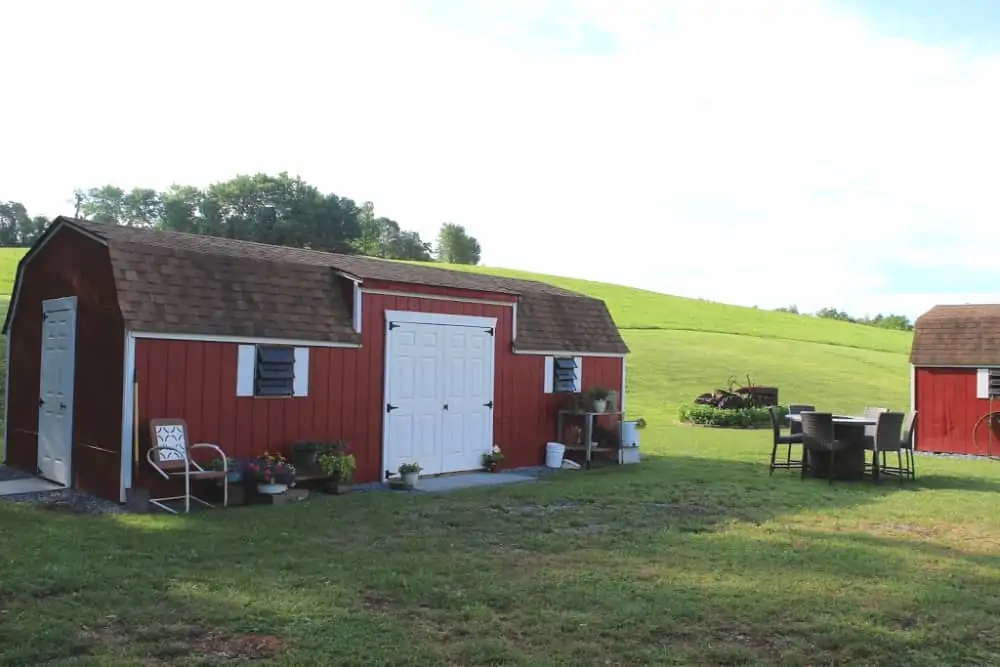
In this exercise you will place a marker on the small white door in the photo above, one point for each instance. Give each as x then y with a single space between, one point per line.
55 405
413 397
468 398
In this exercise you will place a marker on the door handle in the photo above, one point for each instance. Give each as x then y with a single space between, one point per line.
62 406
445 406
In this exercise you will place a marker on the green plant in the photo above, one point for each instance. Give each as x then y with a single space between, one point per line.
409 468
493 457
597 393
706 415
337 465
640 422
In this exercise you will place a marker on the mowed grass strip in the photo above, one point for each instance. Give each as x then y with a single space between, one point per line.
687 560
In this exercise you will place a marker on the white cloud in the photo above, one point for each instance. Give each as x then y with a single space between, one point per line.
763 153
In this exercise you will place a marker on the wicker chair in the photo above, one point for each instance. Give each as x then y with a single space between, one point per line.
795 428
782 441
888 428
872 413
817 430
904 451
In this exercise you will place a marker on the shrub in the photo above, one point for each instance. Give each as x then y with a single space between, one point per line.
706 415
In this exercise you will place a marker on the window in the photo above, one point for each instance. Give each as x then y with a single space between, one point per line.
274 374
988 383
272 371
563 374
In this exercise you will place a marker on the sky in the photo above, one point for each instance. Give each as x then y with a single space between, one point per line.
819 153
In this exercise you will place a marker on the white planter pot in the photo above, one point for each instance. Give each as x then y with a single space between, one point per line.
600 405
272 489
410 479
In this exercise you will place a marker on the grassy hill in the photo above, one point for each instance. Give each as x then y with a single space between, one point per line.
682 347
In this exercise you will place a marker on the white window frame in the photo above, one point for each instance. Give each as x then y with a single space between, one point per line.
550 363
246 369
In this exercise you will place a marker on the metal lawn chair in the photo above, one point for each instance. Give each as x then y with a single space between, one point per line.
170 455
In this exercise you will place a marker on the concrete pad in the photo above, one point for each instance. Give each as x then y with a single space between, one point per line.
29 485
472 480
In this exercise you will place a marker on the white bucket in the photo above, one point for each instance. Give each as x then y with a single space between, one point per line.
554 453
630 433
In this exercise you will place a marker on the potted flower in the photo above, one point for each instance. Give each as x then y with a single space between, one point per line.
272 473
493 458
305 454
338 466
598 397
410 472
233 468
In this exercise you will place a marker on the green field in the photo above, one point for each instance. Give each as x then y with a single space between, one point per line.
695 557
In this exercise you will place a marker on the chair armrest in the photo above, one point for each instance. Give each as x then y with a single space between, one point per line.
208 445
163 473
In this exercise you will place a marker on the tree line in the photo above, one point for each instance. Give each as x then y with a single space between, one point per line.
279 210
898 322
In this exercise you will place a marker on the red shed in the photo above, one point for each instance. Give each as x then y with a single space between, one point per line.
406 362
955 379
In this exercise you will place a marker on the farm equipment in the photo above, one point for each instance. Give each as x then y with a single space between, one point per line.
739 397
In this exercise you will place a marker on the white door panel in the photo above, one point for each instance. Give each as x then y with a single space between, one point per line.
439 396
55 405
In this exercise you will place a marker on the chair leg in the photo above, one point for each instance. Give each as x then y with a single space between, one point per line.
774 453
187 491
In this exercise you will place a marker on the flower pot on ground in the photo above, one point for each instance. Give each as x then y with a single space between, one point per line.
233 468
597 396
493 458
272 473
338 466
410 474
306 453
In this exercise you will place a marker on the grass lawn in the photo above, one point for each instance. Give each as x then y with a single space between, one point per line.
695 557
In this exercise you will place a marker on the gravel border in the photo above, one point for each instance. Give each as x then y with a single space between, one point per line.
69 501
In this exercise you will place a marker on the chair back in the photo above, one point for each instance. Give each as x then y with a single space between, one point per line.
817 429
909 429
775 421
797 409
887 431
872 413
171 436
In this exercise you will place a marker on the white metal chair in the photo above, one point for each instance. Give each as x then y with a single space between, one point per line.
170 456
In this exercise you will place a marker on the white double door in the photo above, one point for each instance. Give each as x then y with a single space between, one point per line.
439 394
55 403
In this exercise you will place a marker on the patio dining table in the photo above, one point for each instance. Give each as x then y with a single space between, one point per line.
850 462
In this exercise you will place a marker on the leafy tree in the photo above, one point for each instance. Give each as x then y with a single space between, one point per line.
17 228
455 246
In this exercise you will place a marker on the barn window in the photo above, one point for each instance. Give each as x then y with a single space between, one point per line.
274 374
272 371
563 374
988 383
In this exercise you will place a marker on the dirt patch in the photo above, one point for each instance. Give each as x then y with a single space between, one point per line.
112 636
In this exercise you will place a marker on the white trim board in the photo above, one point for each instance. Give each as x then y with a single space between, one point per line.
128 415
437 297
416 317
551 353
961 366
621 396
245 340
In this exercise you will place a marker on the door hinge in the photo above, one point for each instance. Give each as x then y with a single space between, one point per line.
488 405
392 325
41 402
445 407
45 316
389 407
387 473
490 331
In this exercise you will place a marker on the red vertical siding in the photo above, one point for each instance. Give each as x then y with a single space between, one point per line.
71 264
948 407
197 381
